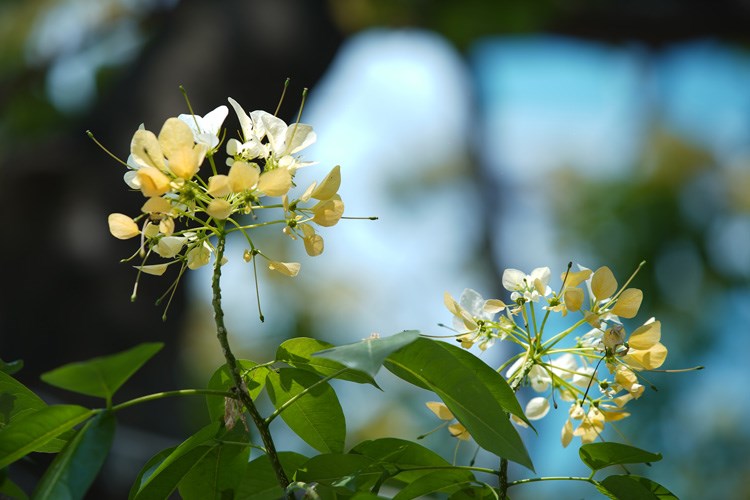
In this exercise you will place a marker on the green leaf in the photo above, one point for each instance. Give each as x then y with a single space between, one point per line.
345 471
476 395
11 367
165 477
600 455
10 489
624 487
445 481
478 492
316 416
148 469
35 429
403 454
16 400
101 377
298 352
221 380
219 472
73 471
259 480
368 355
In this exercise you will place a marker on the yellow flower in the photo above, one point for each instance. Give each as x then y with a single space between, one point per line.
645 351
122 227
592 425
442 412
198 256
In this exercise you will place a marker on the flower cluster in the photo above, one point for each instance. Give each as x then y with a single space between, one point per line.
185 208
573 373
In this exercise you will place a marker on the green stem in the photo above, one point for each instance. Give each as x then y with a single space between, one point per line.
554 478
502 474
169 394
221 334
294 398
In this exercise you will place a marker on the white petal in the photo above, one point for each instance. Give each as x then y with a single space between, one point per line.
513 279
245 123
537 408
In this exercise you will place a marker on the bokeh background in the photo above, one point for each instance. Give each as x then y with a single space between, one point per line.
483 134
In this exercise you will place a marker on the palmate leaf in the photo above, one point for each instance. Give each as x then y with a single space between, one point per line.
73 471
368 355
102 376
600 455
476 395
316 416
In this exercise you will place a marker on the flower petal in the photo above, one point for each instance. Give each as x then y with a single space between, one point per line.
628 303
328 186
122 227
290 269
603 283
537 408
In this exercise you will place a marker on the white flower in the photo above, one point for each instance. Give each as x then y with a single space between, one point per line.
527 286
269 138
206 128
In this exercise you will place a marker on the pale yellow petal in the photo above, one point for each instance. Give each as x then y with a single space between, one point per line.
166 226
199 256
566 436
275 183
155 269
313 245
169 246
219 209
628 303
156 205
219 186
459 431
152 181
122 227
243 176
603 283
328 186
649 359
646 336
440 410
176 141
146 150
290 269
575 278
573 298
327 213
493 306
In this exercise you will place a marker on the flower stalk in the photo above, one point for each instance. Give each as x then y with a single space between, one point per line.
247 401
